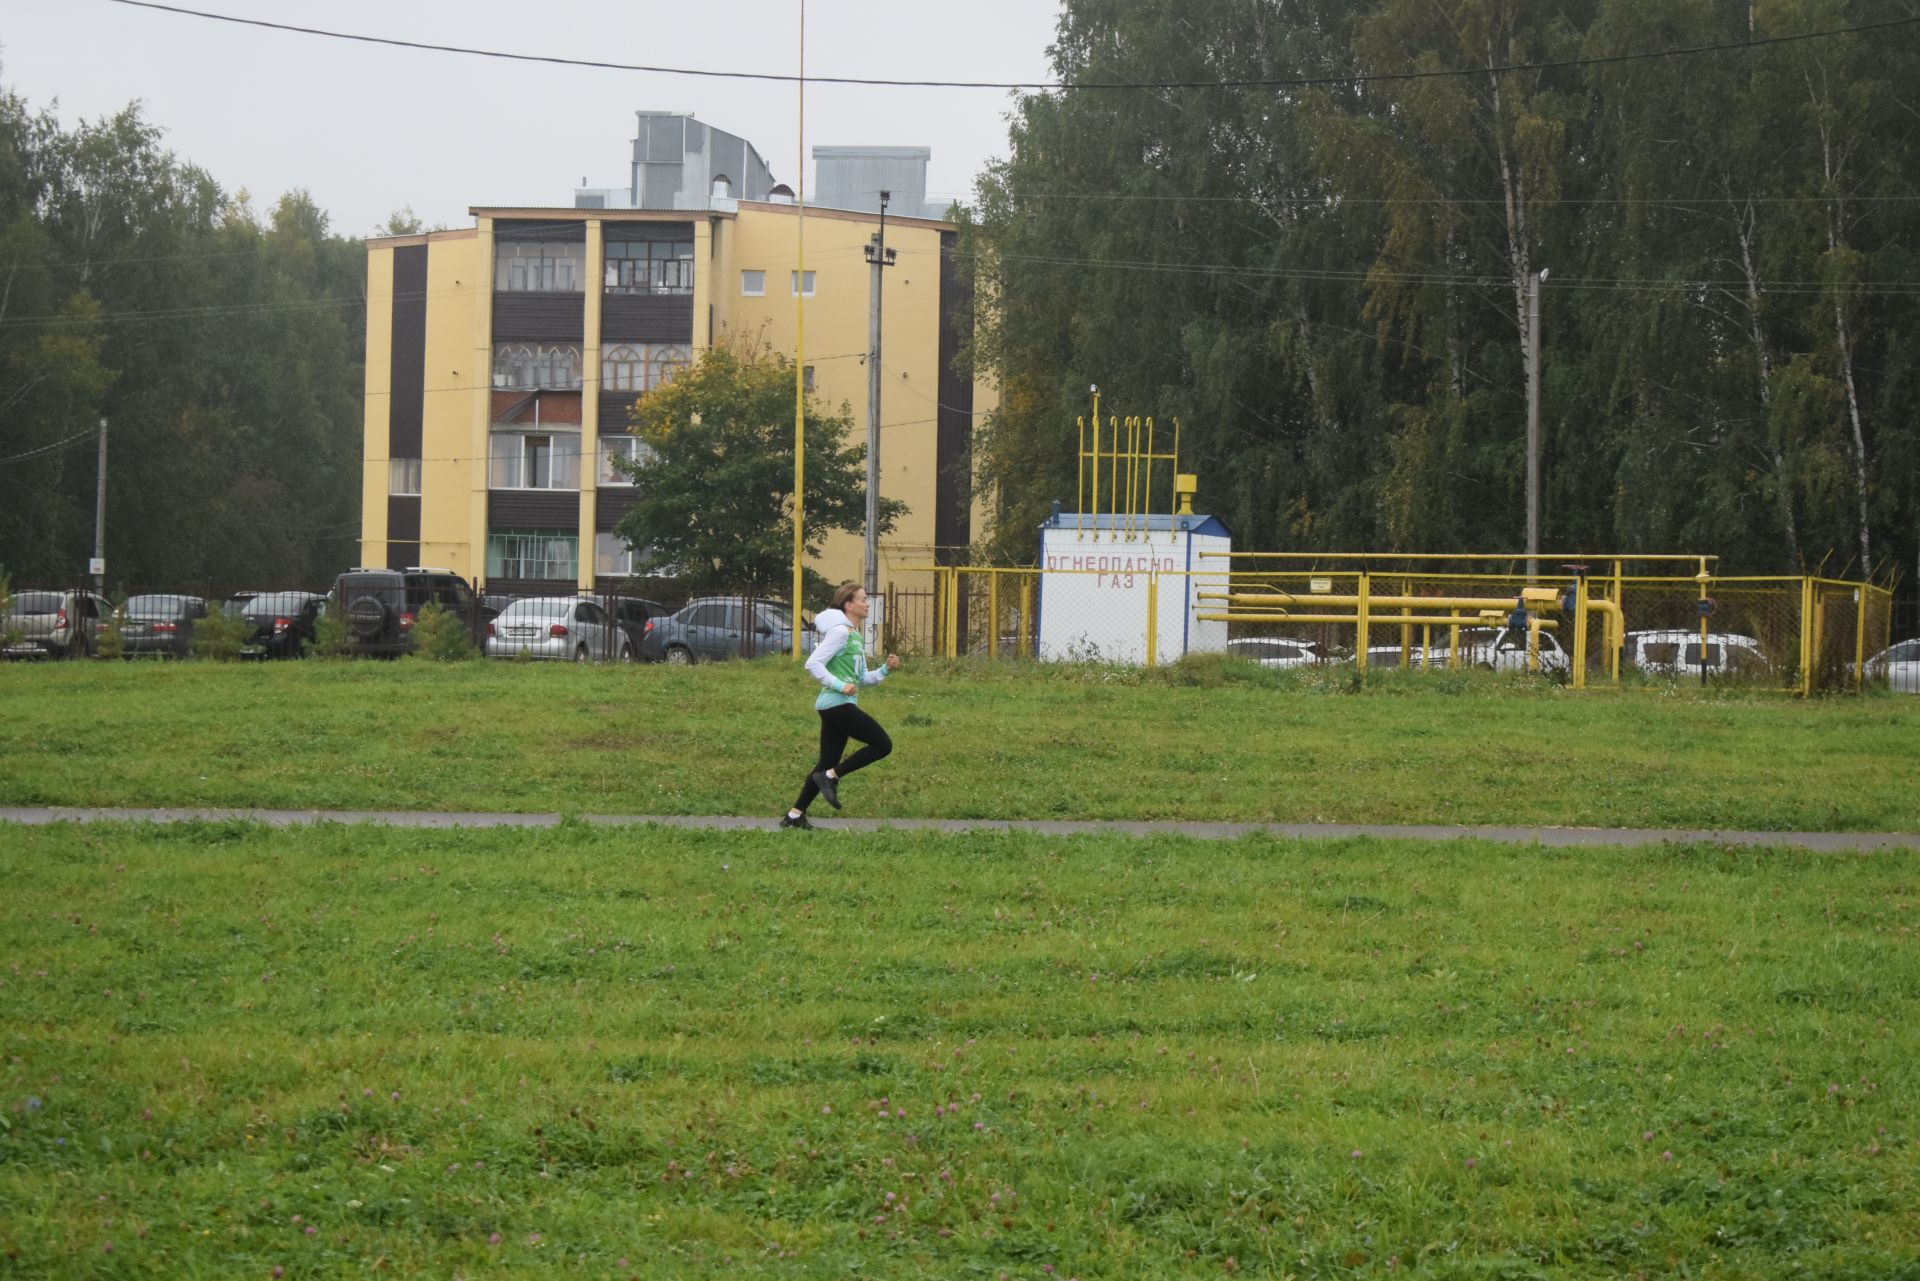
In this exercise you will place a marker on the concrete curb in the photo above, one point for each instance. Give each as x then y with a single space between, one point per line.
1821 842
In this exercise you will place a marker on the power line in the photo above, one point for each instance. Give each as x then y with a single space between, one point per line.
71 442
1279 83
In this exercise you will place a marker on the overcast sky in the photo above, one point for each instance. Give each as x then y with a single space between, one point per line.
369 129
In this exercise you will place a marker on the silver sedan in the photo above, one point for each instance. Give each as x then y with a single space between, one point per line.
555 627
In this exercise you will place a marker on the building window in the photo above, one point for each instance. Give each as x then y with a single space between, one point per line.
753 284
533 366
538 461
613 558
533 553
529 266
640 367
650 267
793 278
629 449
403 476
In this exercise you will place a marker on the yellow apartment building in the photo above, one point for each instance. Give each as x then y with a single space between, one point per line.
502 360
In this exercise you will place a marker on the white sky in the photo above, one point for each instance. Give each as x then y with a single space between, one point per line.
368 129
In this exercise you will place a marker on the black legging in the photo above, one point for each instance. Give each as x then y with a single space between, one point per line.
837 725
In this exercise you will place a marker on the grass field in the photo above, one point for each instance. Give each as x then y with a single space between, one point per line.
342 1052
1221 741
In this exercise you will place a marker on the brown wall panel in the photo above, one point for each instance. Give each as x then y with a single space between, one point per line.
531 317
407 381
614 502
953 438
403 517
646 318
533 509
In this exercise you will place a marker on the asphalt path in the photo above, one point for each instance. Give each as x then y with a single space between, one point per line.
1824 842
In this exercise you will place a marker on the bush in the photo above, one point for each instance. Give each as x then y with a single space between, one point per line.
330 633
8 632
113 637
219 635
441 637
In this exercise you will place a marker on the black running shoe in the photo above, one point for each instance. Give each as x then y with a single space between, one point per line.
828 786
788 820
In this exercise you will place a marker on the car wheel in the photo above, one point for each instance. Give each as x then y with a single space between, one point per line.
580 655
77 647
680 655
626 651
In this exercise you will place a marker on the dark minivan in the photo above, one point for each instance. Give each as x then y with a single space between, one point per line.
379 606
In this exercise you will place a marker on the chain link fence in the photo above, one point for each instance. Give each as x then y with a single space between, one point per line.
1783 634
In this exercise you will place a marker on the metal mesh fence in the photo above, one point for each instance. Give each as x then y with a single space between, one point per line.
1798 635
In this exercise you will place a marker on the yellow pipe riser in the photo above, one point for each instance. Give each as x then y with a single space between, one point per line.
1546 625
1502 603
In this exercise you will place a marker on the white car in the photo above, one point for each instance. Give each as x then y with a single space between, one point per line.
557 627
1677 652
1897 665
1277 651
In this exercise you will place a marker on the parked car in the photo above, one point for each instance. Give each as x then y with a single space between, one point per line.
380 605
631 614
160 624
1897 665
555 627
1678 652
279 624
1278 651
55 624
719 627
1500 649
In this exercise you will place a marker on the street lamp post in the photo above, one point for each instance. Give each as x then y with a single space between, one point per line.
880 257
1533 422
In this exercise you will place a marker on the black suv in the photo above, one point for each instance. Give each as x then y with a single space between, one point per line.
379 605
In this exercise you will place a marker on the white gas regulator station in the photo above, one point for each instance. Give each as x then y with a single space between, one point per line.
1122 584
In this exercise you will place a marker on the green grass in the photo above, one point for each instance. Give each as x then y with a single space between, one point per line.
349 1051
1207 740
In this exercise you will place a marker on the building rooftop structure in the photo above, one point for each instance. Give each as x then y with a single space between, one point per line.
681 163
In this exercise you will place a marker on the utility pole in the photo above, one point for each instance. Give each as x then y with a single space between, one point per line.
880 257
1533 423
99 565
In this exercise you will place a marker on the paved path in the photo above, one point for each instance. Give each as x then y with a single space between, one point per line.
1557 836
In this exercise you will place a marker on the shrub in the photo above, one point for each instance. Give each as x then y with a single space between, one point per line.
441 637
330 633
219 635
113 637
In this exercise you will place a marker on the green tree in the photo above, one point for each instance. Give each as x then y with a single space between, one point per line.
715 482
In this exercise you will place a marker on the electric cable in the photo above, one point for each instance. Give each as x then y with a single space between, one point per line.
1263 83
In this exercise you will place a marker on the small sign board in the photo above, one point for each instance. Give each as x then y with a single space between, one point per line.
1323 586
96 565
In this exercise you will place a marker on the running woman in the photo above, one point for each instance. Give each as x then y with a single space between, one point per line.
839 662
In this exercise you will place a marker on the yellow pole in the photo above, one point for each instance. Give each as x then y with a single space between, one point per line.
1153 617
1580 632
800 350
1453 646
1113 481
1094 489
1360 632
953 612
1080 478
1860 639
1146 490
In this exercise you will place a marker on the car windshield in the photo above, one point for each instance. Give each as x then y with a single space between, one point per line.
36 603
279 604
532 609
157 606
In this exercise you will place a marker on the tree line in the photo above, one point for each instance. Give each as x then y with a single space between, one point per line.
1327 279
223 343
